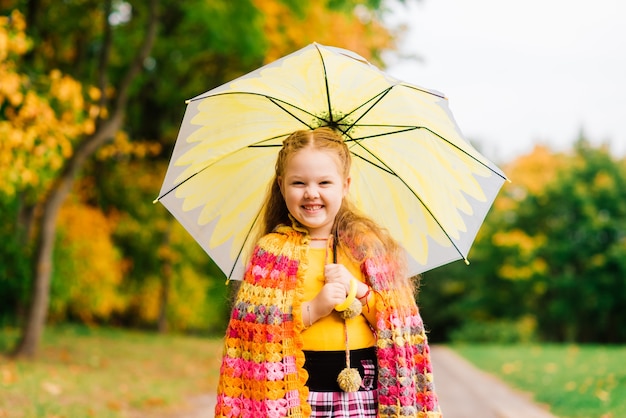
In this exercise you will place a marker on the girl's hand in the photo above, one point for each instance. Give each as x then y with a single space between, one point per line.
338 273
324 303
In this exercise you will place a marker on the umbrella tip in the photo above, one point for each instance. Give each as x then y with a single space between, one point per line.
155 200
466 261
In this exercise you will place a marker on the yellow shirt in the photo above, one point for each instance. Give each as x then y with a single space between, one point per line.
327 334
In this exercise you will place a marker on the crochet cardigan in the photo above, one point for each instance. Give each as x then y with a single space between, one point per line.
261 373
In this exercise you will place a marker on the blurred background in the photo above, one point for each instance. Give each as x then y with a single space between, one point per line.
92 94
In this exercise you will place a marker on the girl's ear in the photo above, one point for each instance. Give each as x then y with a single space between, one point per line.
279 182
346 185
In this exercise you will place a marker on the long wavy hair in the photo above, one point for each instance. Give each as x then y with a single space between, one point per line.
355 231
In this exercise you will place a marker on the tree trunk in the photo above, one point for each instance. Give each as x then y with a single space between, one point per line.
51 204
46 234
39 302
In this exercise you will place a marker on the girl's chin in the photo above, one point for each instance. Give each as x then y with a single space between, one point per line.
312 225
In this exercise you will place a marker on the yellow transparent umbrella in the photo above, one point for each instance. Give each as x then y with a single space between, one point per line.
413 171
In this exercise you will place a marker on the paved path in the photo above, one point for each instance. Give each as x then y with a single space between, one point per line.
467 392
463 390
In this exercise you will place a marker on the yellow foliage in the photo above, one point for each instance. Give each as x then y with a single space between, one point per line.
603 181
526 247
517 238
38 129
536 266
146 300
66 89
94 93
285 31
122 146
90 269
10 88
14 41
186 305
188 297
534 170
529 175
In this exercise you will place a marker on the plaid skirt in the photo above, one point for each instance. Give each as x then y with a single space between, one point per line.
360 404
327 400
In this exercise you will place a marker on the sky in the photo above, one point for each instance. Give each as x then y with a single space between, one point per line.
519 73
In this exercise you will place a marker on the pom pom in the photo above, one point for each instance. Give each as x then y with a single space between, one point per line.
353 310
349 380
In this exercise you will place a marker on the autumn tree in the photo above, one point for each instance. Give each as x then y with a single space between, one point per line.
51 48
43 114
578 227
128 87
230 39
549 259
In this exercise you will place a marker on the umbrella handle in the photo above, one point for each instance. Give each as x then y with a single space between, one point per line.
353 285
349 299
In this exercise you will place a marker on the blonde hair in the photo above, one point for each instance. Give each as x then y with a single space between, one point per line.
353 229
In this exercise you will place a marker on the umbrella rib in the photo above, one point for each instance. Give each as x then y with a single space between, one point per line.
377 98
386 168
345 129
423 90
241 247
412 128
379 166
257 145
426 208
278 102
330 122
180 184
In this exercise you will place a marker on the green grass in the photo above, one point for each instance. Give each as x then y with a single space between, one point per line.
93 372
574 381
84 372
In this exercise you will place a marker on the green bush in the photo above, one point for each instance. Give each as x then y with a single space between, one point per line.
496 331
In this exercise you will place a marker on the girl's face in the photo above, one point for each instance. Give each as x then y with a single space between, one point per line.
313 188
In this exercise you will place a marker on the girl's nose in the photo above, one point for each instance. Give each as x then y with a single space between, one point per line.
310 192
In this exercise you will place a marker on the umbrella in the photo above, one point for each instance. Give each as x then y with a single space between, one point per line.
413 172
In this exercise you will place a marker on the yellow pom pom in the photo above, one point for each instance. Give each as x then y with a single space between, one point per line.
349 380
353 310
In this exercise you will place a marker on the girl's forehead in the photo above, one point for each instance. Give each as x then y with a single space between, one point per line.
313 154
314 158
311 151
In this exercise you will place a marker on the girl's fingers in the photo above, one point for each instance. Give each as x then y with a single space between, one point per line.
337 273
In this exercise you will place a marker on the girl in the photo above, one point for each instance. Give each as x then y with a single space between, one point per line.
325 322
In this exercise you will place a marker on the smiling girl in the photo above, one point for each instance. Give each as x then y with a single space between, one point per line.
325 322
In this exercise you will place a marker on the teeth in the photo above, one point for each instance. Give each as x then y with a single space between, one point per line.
313 207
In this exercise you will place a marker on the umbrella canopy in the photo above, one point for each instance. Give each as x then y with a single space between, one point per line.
413 172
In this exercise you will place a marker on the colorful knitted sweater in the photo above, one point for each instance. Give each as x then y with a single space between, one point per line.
261 373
